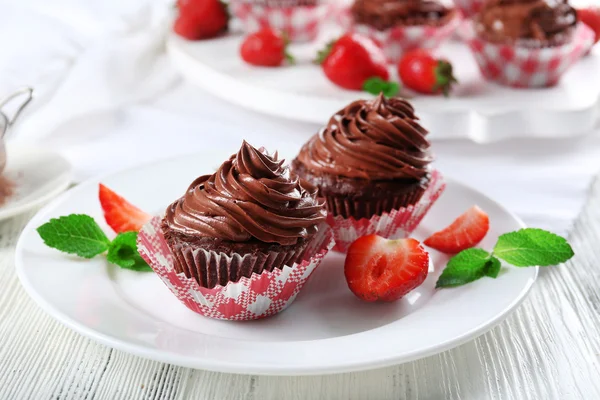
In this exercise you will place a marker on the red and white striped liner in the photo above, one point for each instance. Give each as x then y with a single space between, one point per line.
395 224
398 40
520 66
256 297
299 23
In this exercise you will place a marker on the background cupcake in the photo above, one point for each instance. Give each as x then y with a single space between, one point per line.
299 20
402 25
371 164
250 230
528 43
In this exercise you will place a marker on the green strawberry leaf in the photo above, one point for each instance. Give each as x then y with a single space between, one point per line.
75 234
377 85
492 267
530 247
123 252
467 266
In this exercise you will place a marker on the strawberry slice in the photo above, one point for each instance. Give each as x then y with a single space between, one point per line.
379 269
121 215
465 232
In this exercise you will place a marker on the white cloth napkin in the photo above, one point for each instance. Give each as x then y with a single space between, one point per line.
85 61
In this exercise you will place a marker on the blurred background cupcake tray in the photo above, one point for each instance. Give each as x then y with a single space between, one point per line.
532 85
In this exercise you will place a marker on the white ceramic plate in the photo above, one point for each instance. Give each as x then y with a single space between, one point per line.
326 330
38 176
480 111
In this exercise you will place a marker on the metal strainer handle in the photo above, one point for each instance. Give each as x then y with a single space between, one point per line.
27 92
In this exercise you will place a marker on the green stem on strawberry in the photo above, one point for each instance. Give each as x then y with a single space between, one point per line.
444 77
324 52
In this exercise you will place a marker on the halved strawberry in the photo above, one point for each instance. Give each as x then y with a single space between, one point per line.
121 215
465 232
379 269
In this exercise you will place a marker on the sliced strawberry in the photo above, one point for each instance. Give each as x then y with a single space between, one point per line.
121 215
465 232
379 269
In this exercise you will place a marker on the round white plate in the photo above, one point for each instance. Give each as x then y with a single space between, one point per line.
38 176
476 110
326 330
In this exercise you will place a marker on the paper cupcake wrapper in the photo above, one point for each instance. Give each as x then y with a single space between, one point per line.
469 7
210 268
299 23
259 296
395 224
398 40
522 67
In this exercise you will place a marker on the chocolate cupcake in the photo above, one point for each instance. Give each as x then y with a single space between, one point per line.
386 14
529 23
371 158
250 216
401 25
528 43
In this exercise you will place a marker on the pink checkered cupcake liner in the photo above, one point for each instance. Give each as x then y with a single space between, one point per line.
259 296
299 23
395 224
398 40
526 67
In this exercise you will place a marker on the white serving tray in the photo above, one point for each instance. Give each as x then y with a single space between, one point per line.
477 110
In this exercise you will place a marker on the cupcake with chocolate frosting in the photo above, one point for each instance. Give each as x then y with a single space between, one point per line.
386 14
528 43
372 159
402 25
250 216
534 23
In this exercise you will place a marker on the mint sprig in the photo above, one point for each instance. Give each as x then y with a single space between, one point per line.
528 247
75 234
376 85
79 234
123 252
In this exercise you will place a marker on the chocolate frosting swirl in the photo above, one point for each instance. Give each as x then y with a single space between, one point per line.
377 140
250 196
544 20
384 14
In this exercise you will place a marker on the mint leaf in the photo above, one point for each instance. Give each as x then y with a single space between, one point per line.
492 267
530 247
467 266
123 252
75 234
377 85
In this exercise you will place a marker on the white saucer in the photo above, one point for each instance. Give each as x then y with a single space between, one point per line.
38 176
326 330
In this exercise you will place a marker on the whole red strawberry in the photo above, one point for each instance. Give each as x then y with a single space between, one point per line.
355 62
200 19
266 48
591 17
420 71
465 232
379 269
